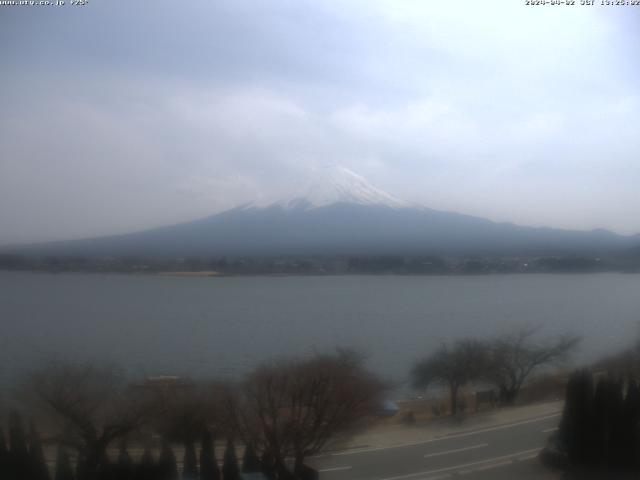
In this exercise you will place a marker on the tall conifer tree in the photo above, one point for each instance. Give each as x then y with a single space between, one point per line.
208 464
4 456
576 430
230 469
146 469
37 463
190 462
250 461
63 466
167 465
18 451
124 465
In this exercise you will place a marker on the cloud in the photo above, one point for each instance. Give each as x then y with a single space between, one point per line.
123 116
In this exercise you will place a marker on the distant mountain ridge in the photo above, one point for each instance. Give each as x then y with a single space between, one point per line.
340 213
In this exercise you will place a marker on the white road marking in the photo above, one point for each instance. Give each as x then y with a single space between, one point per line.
334 469
499 427
473 447
503 463
548 430
531 456
498 461
446 437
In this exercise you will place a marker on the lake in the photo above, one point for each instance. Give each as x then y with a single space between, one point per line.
222 327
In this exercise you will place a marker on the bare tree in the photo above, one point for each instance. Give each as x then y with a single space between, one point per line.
513 358
90 405
452 366
184 409
296 407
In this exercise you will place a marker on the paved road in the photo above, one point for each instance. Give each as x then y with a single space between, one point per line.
506 452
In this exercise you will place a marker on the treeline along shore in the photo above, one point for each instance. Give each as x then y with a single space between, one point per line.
325 265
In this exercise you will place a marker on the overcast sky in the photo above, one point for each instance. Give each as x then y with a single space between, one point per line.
123 115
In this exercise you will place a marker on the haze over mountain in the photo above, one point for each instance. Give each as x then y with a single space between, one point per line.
192 111
339 213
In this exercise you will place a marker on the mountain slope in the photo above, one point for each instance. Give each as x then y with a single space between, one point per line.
339 213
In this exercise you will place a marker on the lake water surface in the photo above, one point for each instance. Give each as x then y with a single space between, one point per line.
224 326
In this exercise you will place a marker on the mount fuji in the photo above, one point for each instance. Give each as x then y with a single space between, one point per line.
338 212
336 184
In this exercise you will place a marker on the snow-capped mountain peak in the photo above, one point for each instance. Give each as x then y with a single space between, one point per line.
337 184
